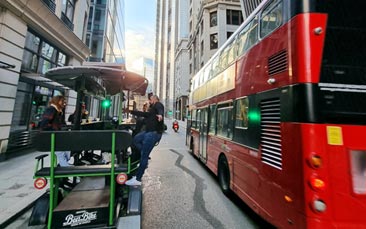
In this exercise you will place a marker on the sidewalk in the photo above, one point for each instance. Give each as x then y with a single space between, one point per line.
16 185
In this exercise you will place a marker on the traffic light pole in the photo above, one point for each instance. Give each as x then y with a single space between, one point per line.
120 107
80 96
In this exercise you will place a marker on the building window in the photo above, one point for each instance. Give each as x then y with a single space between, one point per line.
39 55
90 19
213 19
214 41
234 17
202 49
67 15
68 8
50 4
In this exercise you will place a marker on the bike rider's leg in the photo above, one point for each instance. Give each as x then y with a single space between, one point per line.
138 140
63 158
148 144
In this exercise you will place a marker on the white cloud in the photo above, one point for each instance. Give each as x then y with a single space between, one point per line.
139 44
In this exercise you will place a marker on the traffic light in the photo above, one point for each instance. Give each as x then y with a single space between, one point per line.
106 103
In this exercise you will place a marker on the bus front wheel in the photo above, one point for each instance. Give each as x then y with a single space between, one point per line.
223 174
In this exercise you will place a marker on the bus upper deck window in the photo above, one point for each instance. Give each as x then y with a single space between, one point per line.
271 18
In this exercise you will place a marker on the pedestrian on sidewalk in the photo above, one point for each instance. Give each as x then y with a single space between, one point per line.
52 120
146 140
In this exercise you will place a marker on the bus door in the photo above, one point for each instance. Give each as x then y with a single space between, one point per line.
203 128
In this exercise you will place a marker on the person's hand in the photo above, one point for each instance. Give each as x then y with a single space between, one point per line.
160 117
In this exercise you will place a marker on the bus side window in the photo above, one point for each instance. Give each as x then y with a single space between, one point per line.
232 53
194 112
252 38
224 120
215 67
271 18
212 128
227 56
242 40
224 58
248 37
241 120
241 114
198 118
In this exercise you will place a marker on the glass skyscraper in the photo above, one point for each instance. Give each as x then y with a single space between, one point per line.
106 31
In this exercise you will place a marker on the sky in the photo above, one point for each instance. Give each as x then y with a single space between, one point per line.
139 32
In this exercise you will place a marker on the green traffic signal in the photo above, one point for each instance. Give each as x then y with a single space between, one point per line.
106 103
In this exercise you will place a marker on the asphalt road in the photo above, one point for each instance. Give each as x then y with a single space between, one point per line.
179 192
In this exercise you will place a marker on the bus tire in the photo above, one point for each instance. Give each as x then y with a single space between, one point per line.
223 174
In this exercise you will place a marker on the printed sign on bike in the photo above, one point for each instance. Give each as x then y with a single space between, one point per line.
79 218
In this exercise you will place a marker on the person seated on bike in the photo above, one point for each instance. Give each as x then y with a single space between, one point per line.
52 121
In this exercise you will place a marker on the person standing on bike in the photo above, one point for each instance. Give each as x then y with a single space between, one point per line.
146 140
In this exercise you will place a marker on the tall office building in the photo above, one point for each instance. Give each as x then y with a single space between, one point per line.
146 69
211 23
34 37
182 51
105 38
181 68
165 47
106 31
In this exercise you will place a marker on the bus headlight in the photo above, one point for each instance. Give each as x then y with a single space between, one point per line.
319 206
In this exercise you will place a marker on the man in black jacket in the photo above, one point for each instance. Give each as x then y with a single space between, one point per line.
146 140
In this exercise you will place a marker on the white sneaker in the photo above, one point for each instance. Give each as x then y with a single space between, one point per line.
133 182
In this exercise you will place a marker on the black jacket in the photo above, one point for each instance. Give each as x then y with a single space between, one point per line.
151 120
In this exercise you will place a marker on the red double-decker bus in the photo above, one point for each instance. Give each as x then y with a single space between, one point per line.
279 113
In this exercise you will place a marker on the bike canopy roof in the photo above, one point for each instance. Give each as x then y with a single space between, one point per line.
98 80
